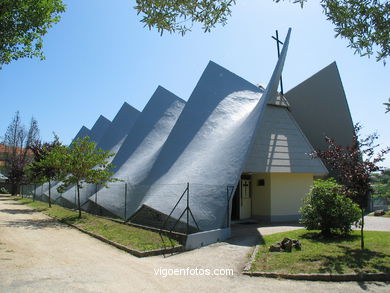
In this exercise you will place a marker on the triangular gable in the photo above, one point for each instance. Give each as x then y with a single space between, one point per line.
279 100
281 146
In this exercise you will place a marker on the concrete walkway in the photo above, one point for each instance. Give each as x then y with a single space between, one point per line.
38 254
372 223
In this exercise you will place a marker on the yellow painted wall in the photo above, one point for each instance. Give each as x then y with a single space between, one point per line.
261 195
287 192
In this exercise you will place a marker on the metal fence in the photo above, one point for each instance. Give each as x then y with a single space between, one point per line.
379 203
182 207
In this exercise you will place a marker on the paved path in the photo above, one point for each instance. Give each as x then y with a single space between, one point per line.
38 254
372 223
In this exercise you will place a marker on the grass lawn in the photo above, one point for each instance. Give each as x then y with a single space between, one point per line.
132 237
336 256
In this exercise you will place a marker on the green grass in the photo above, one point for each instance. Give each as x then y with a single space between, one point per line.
336 256
132 237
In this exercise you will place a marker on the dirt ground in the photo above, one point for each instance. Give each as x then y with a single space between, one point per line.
37 254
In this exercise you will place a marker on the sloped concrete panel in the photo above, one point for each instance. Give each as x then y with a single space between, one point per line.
320 107
83 132
206 148
111 141
118 130
140 149
209 144
96 133
99 128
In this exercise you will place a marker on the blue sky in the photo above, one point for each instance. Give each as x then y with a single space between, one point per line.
100 55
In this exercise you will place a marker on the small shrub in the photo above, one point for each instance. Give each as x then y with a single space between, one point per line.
3 190
326 208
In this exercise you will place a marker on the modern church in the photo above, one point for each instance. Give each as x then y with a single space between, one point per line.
234 151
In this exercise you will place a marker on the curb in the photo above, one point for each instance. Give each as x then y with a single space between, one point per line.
176 235
117 245
134 252
248 265
313 277
323 277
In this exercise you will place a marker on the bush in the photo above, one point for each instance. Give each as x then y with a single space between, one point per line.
3 190
326 208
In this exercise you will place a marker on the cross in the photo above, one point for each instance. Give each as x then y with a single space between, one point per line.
277 45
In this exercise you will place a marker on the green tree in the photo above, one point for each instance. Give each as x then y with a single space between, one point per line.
381 184
353 165
364 23
327 208
83 163
23 23
47 164
179 16
387 106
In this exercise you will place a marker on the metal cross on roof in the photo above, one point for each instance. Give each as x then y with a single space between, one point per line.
277 45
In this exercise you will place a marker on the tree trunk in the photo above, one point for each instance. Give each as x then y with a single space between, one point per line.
361 231
35 191
78 200
49 194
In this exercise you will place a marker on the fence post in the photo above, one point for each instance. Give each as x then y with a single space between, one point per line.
124 218
96 198
35 191
188 207
227 206
100 207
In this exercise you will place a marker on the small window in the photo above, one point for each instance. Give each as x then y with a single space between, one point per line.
261 182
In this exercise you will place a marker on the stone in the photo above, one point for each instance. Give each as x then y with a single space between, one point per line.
277 247
287 244
378 213
297 244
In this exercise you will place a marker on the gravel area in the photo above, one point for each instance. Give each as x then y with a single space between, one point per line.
38 254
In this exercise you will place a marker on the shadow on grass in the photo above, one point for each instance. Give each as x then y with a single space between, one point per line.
359 261
318 237
72 219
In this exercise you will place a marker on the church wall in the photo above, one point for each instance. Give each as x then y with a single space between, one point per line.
287 193
261 196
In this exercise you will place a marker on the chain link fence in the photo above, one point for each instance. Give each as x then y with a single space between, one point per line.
183 207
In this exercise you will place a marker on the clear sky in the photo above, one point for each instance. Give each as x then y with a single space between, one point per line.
100 56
